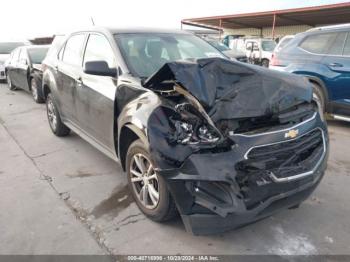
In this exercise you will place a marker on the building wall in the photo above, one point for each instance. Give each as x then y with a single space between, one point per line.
267 31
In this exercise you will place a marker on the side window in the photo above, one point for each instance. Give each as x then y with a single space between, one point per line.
347 46
23 57
73 50
338 44
99 49
318 44
14 57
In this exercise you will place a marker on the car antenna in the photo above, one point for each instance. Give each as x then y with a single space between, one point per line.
92 20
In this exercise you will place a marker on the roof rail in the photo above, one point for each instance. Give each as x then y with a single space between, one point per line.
329 27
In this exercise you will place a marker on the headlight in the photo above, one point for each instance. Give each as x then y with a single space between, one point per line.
319 106
188 134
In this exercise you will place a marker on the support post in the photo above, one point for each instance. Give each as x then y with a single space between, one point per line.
273 26
220 25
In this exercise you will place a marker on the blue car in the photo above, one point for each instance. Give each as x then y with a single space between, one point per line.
323 56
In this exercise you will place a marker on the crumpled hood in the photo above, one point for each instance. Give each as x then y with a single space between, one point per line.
228 89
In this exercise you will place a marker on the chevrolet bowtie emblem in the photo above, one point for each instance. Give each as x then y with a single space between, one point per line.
291 133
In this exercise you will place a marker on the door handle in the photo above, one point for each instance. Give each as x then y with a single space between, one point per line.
335 65
79 81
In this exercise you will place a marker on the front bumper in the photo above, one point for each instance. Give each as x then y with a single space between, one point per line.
209 198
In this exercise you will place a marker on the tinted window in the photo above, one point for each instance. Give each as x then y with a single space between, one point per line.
37 55
22 56
15 56
147 53
73 50
99 49
338 44
6 48
318 44
347 46
219 46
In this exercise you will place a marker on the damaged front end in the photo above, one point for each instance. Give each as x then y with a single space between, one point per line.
234 142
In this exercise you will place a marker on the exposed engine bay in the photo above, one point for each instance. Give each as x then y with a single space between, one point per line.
209 100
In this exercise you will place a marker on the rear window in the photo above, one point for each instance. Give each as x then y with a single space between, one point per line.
318 44
37 55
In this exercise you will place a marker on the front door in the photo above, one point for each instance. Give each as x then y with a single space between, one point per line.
96 94
338 62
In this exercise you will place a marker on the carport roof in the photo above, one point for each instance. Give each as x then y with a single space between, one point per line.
312 16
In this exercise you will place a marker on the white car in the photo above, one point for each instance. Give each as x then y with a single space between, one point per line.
259 51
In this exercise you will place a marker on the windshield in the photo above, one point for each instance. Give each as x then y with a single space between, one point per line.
37 55
219 46
268 45
146 53
6 48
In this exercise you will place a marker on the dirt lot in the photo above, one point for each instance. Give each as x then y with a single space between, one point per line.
62 196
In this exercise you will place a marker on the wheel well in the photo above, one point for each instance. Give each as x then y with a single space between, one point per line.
323 90
127 136
46 90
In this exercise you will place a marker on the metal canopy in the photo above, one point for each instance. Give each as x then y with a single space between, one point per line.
312 16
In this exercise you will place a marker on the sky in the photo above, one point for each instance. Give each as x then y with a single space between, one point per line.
25 19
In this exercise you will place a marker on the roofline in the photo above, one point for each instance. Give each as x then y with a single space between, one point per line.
189 21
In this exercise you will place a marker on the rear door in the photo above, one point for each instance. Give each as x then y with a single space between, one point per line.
95 94
69 70
338 82
23 70
11 67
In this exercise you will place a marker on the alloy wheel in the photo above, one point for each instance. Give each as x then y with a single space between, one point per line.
51 113
144 181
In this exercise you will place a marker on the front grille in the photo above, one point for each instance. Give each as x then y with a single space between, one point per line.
283 160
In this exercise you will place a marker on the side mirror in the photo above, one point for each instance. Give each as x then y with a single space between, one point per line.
99 68
249 48
255 48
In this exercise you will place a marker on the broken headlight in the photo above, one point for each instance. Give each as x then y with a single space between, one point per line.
187 133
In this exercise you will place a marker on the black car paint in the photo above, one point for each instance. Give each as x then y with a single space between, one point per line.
135 112
22 72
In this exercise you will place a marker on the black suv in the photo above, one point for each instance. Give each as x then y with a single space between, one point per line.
220 142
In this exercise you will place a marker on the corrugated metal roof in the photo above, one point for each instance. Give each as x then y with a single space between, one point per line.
312 16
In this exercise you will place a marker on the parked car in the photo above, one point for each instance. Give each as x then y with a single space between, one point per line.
221 142
322 55
5 50
283 42
24 70
235 55
259 51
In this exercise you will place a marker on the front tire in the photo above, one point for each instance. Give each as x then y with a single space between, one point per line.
9 83
149 190
265 63
320 96
55 122
37 96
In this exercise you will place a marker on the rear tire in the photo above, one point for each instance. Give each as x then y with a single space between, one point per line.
265 63
9 83
149 190
36 93
55 122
